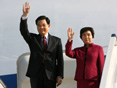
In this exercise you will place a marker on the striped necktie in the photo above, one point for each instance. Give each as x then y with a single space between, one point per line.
44 42
45 46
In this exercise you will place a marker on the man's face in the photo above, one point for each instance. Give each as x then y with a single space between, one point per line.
87 37
43 27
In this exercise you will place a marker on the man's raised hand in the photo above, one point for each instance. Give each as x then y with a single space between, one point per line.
26 9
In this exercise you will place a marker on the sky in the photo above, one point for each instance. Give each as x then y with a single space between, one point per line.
99 14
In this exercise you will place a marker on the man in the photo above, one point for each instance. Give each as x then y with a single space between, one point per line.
45 67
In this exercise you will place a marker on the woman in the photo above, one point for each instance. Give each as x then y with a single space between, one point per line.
89 58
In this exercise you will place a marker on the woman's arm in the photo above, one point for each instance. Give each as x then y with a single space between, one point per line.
101 61
68 48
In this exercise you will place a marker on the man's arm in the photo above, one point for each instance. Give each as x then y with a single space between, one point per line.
23 24
26 9
60 65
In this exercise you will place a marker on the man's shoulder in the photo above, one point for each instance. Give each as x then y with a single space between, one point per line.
55 37
33 34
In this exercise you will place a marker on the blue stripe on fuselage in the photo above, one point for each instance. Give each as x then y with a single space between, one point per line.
9 80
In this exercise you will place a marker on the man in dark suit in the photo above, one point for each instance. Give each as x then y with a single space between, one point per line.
45 67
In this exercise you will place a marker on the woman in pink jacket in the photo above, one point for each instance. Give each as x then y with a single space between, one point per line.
89 58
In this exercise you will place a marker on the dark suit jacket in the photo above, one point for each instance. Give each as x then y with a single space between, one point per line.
53 56
90 65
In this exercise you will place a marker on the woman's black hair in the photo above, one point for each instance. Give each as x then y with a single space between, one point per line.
87 29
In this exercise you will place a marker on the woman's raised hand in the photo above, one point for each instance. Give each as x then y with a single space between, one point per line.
70 34
26 9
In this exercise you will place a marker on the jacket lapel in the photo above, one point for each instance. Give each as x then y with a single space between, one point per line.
39 42
49 41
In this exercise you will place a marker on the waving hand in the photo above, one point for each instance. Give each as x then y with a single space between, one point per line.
26 9
70 34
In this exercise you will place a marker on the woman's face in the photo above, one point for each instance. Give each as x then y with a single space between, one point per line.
87 37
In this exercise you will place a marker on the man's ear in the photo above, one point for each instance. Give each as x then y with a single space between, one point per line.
49 25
